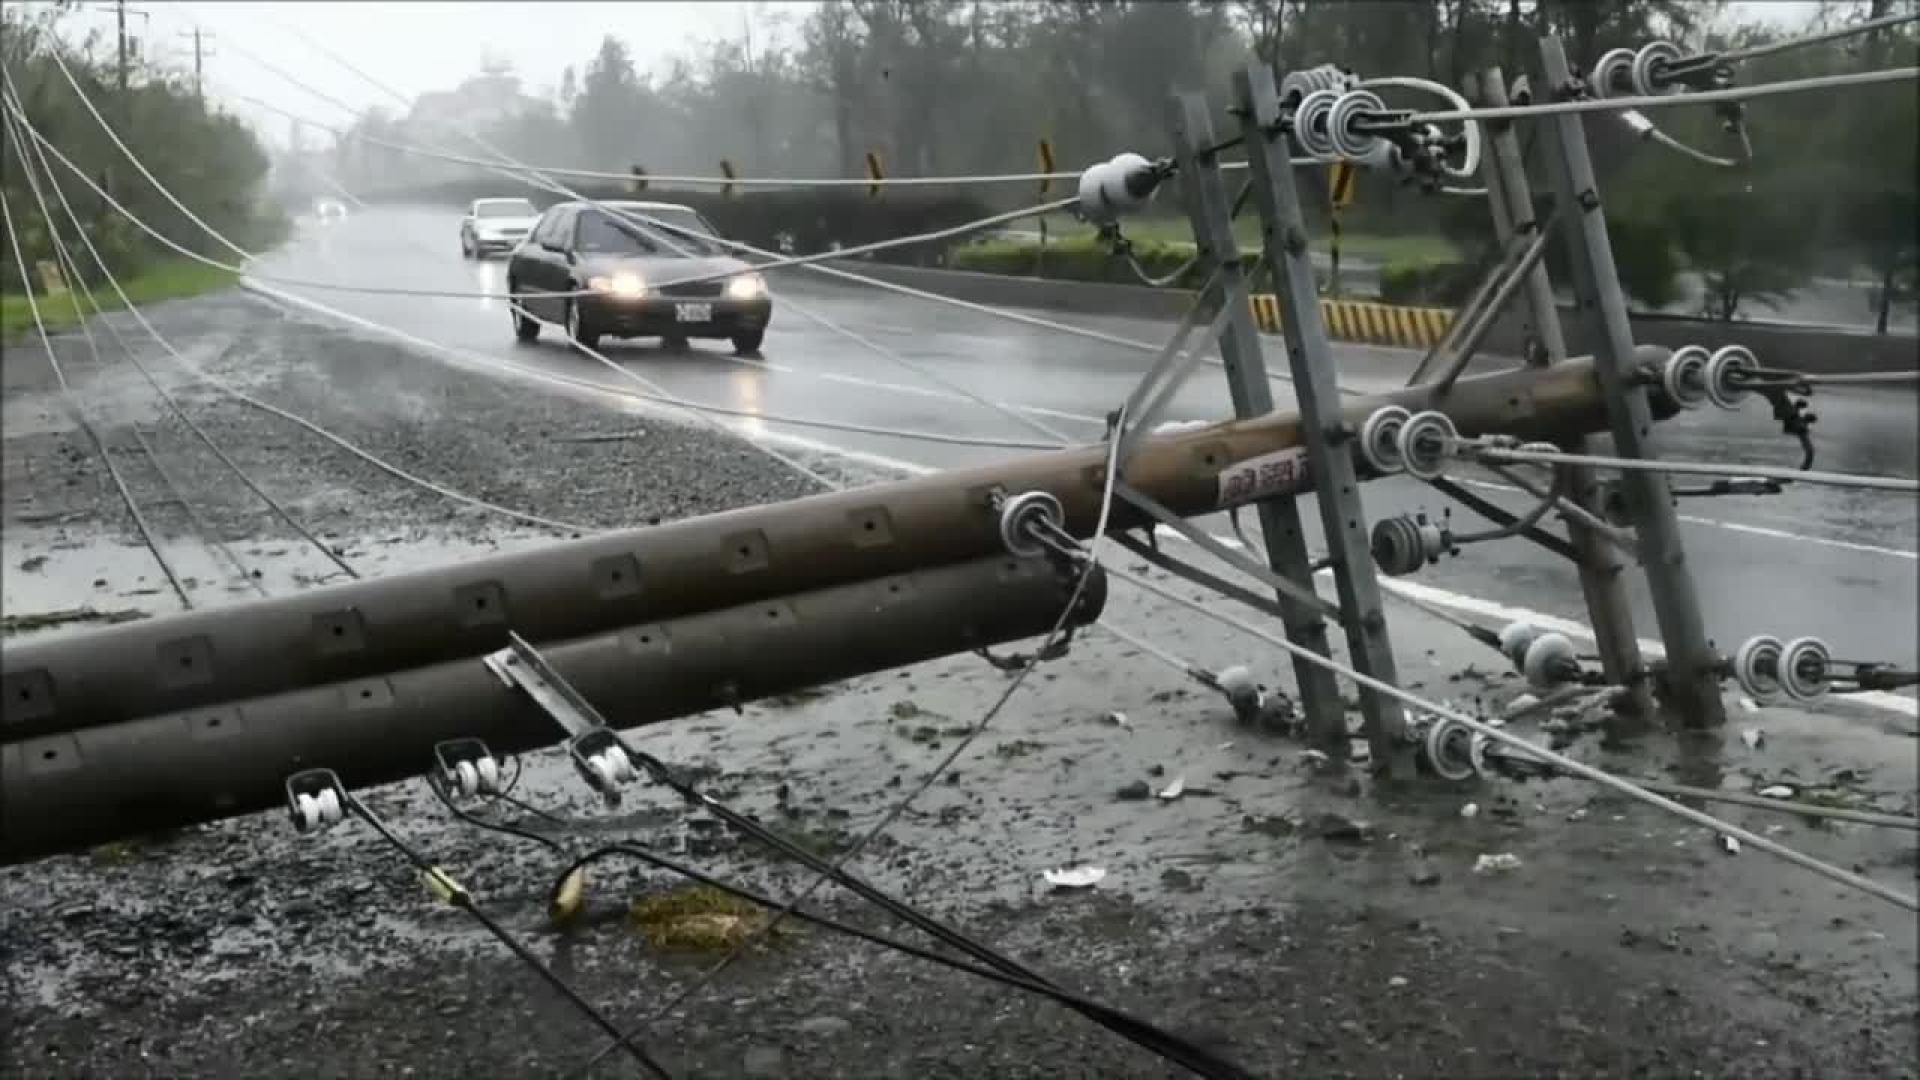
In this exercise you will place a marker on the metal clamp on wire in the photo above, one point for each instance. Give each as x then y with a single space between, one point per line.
1661 68
316 800
467 768
1801 670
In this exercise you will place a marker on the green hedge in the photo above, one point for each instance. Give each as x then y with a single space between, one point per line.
1427 282
1644 253
1081 258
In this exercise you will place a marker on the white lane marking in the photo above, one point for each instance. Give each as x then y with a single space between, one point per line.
1734 526
1491 609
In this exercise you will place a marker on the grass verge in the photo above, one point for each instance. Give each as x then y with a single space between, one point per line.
167 280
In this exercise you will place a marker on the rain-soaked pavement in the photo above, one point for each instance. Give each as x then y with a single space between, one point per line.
1240 913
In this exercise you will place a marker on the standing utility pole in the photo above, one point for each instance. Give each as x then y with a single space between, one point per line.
120 17
199 59
1692 682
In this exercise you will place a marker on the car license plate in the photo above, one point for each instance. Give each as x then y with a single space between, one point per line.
693 312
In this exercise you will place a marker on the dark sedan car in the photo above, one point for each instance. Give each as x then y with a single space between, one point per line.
622 269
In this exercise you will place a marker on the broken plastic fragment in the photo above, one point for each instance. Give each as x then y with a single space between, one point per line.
1753 737
1119 719
1730 844
1470 811
1076 877
1775 791
1747 704
1494 864
1174 790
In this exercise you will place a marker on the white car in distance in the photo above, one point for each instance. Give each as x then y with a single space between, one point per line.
495 225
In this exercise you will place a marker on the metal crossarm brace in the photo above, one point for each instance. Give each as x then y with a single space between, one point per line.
1212 218
588 734
519 664
1602 577
1495 290
1692 677
1336 485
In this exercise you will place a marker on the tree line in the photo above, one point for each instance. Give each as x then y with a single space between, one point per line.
208 157
970 86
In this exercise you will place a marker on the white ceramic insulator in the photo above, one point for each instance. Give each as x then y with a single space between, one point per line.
489 771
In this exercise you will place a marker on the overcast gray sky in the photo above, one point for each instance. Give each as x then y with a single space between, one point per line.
421 46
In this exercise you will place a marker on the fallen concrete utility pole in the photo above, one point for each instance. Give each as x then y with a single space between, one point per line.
66 791
600 583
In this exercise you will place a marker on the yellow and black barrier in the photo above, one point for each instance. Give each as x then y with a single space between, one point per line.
1359 320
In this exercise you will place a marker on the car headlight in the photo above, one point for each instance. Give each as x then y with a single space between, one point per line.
746 287
626 285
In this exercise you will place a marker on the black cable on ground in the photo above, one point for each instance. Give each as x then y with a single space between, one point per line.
1139 1031
1197 1059
457 896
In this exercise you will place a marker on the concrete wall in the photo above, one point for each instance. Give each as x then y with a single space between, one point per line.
1803 348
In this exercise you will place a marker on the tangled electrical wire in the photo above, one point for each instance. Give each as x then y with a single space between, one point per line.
458 778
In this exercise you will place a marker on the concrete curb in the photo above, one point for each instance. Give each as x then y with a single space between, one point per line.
1813 349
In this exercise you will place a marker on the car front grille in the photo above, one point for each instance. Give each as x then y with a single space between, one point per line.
696 288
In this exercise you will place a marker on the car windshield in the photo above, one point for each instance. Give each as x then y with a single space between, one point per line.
505 208
602 233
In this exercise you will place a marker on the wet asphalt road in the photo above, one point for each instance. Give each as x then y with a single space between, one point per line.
1836 564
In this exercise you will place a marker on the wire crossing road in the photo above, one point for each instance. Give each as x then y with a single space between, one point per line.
1838 564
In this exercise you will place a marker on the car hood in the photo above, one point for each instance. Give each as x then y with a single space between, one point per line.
660 268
